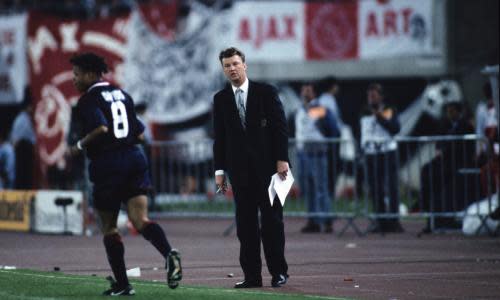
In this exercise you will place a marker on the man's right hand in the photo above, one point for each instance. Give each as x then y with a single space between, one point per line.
220 182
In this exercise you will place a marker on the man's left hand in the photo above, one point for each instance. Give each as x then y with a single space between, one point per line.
282 169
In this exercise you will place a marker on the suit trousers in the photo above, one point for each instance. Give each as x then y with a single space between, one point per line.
249 200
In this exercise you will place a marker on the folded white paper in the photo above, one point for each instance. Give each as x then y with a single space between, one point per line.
280 187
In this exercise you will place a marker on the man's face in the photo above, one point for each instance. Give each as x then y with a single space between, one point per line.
334 89
235 69
82 80
374 97
307 93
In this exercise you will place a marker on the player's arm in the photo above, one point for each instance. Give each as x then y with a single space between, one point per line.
89 139
141 139
141 127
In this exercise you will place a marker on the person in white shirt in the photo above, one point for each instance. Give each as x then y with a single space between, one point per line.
379 147
329 88
314 123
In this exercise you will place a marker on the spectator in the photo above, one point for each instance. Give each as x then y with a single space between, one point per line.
329 88
486 122
377 131
23 138
313 123
487 127
7 162
441 188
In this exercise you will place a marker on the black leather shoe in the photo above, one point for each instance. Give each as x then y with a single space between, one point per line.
279 280
246 284
311 227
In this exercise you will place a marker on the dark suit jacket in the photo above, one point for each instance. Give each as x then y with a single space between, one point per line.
260 145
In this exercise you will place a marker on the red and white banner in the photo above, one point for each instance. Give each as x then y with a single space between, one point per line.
51 43
269 31
331 30
340 30
390 28
12 58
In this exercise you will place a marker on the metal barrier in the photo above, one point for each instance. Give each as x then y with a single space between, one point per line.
433 177
450 178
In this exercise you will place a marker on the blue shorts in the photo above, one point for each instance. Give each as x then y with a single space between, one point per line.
118 176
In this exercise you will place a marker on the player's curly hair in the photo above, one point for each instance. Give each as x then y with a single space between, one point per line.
89 62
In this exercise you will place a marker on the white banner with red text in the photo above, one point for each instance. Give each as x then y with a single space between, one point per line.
297 31
391 28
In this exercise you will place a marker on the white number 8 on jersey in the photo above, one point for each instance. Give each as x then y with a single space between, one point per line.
120 120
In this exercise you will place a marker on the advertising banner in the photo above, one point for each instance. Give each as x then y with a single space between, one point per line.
395 28
269 31
12 58
15 207
58 212
51 43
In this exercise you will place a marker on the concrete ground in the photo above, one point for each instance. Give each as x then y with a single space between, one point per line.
394 266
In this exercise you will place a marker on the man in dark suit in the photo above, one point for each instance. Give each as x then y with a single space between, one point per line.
250 145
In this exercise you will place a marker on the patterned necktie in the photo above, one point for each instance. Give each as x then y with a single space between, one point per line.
241 106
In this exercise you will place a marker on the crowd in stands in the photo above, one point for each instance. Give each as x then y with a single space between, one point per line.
87 9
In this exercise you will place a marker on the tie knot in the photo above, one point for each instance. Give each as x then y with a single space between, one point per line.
238 91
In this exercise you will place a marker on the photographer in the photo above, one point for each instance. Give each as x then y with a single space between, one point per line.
377 132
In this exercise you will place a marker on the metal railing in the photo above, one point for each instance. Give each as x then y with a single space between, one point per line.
434 177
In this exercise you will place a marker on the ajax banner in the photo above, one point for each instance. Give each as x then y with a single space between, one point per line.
51 43
340 30
395 28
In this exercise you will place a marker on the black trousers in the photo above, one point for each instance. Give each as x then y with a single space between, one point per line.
444 190
249 201
25 165
382 174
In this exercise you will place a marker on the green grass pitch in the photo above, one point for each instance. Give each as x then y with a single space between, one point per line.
35 285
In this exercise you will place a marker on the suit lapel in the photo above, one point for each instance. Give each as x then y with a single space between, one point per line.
251 103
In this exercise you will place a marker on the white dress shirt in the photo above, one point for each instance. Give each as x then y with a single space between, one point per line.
244 94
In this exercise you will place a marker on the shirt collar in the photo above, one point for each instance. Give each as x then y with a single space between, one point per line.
243 87
100 83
